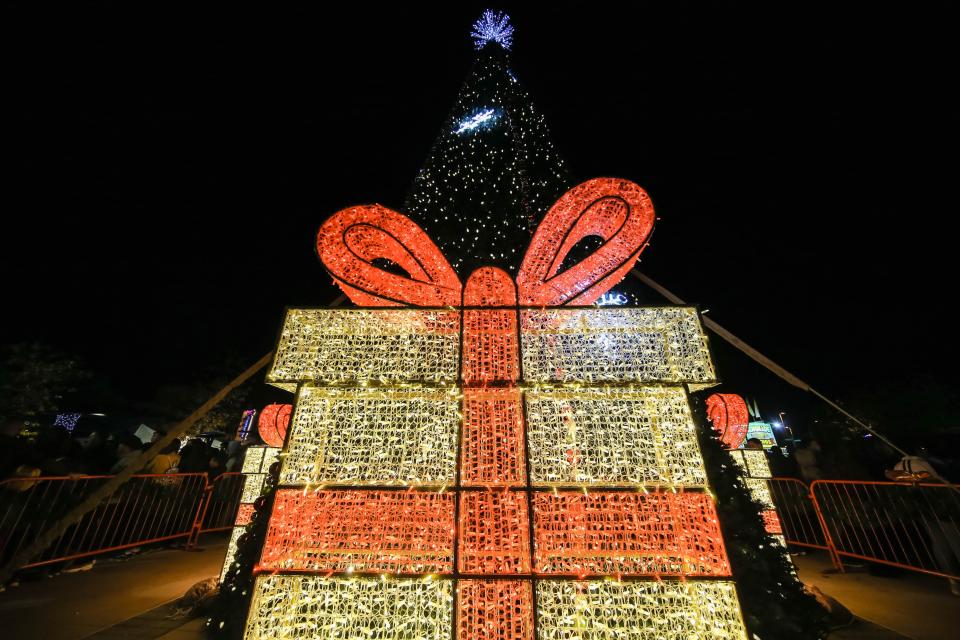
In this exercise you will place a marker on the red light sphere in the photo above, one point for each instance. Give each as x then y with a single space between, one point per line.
274 420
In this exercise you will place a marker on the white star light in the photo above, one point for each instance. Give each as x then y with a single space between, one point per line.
492 26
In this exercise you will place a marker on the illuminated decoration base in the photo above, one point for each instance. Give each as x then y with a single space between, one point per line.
489 463
256 463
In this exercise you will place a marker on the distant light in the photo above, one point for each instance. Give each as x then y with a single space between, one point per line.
66 420
612 299
493 26
777 424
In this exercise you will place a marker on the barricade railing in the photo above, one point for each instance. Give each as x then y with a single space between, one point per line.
220 511
910 526
146 509
798 515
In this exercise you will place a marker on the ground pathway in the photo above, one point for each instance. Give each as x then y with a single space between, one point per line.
130 600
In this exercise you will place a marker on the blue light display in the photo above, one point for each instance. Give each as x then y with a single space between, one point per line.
481 119
493 26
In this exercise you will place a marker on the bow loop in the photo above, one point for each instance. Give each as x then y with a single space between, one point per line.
351 241
618 211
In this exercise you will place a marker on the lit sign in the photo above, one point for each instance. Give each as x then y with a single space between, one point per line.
762 431
245 423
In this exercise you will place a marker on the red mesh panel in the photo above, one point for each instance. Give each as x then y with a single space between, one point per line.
494 532
490 339
396 531
243 515
492 446
771 521
494 610
490 352
661 533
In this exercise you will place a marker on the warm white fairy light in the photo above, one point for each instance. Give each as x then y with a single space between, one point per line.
231 551
373 436
652 344
252 460
752 462
304 607
652 610
350 345
256 465
612 437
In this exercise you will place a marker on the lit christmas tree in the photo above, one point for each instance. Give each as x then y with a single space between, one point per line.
493 171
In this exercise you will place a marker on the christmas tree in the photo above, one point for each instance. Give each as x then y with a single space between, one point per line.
493 170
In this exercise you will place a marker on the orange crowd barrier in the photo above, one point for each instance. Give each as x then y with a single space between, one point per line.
146 509
798 517
910 526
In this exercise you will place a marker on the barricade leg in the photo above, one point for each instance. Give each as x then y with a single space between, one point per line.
831 547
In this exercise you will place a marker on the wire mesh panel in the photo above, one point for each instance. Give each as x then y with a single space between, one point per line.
604 533
650 344
295 607
495 610
373 436
648 610
494 532
343 346
612 437
753 462
490 349
361 530
492 446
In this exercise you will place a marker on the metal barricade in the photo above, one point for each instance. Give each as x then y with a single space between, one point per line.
798 515
220 511
146 509
910 526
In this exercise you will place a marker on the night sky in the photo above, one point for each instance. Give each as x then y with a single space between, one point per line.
171 164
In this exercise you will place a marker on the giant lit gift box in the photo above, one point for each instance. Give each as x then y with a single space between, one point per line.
493 460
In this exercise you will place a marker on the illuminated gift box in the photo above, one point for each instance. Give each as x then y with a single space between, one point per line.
494 453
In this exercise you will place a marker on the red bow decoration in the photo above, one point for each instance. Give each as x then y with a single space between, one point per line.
618 211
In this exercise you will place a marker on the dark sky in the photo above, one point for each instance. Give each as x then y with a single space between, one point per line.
171 163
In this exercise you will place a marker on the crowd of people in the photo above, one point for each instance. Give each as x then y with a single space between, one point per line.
58 452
